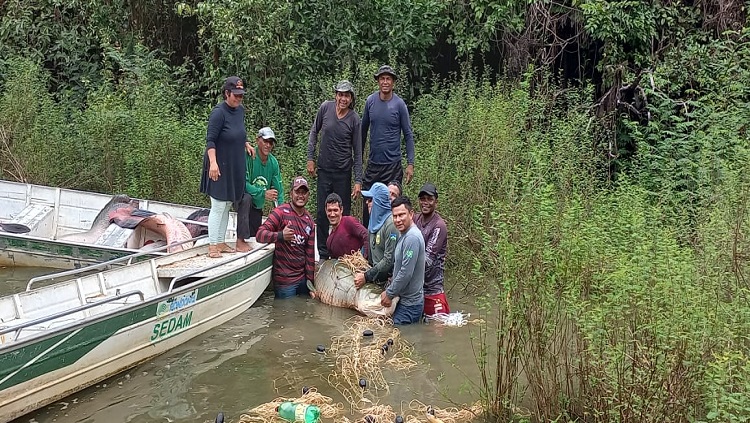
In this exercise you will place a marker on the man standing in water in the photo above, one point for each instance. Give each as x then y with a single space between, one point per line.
347 234
262 183
291 227
383 235
435 234
340 150
408 267
386 117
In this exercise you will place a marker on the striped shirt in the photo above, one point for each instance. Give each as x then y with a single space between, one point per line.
292 260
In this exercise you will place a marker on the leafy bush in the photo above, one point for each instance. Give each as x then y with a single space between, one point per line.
595 309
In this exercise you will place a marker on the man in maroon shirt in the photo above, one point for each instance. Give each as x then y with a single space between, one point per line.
292 229
435 234
347 234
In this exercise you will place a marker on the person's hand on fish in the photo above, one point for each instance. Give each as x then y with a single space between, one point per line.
288 233
213 171
384 300
311 288
359 280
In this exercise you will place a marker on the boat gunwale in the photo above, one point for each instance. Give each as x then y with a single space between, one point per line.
66 242
126 308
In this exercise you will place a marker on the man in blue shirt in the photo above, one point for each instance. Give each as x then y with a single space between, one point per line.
386 118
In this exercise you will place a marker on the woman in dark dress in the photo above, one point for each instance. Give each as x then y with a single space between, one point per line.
223 177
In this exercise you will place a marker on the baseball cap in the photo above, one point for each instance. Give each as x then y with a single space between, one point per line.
267 134
377 190
235 85
428 189
385 69
299 182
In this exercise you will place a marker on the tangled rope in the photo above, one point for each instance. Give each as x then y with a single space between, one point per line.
444 415
267 413
355 262
358 359
359 354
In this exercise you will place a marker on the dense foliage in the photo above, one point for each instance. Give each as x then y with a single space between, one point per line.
592 158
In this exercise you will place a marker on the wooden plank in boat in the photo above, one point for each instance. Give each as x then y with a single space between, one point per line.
198 262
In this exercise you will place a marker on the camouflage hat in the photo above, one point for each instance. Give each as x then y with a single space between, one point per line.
386 70
344 86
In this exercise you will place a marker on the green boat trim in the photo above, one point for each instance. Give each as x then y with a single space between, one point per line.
64 346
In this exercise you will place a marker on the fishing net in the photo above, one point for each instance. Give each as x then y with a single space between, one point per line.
364 348
359 359
455 319
466 413
419 413
358 377
267 413
355 262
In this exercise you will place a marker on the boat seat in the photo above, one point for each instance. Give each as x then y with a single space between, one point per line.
38 217
114 236
31 330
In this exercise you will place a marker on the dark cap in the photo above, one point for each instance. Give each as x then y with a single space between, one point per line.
299 182
235 85
267 134
385 70
428 189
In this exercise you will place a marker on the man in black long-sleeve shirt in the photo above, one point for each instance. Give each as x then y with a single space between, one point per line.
340 132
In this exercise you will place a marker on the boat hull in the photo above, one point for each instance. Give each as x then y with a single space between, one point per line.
22 251
57 217
67 360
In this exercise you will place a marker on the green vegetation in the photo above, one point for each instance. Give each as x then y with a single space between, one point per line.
592 158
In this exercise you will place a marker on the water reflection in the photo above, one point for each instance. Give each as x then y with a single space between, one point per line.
266 352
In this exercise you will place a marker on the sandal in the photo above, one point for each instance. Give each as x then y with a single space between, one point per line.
213 251
224 248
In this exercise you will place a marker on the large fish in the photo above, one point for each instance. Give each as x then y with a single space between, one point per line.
101 222
172 230
334 285
198 216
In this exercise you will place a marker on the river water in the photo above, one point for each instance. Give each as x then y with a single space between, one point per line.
266 352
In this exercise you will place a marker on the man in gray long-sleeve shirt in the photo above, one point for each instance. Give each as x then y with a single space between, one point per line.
340 149
408 267
385 116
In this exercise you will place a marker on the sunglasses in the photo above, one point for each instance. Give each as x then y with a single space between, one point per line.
238 95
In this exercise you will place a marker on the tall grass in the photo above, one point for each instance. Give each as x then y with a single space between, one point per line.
134 135
594 309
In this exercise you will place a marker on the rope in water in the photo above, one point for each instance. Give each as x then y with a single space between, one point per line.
267 413
359 357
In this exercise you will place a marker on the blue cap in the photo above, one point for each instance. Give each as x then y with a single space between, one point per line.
378 190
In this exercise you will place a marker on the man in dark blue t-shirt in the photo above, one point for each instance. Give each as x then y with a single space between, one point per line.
386 118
